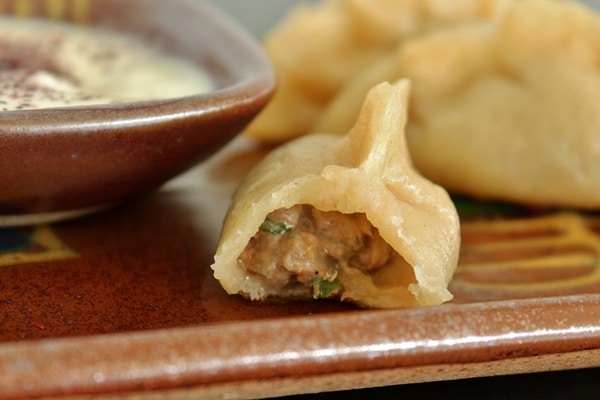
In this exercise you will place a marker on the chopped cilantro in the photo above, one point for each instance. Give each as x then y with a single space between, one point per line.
323 288
274 227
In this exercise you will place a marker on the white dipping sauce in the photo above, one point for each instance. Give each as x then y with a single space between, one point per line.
47 64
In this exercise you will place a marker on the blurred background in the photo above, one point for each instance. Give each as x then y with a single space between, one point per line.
258 16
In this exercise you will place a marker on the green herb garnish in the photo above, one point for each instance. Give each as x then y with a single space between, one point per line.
323 288
274 227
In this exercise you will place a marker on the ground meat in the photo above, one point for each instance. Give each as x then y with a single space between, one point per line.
301 243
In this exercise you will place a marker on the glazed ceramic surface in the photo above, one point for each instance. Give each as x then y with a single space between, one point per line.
124 304
63 162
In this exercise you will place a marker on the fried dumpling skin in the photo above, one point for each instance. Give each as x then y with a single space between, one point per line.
366 172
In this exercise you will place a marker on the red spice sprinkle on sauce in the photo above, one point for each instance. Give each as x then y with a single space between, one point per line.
46 64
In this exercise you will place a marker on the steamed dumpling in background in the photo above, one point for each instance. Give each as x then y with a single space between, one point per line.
507 109
320 48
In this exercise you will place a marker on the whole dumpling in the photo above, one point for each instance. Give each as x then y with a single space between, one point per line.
506 109
319 48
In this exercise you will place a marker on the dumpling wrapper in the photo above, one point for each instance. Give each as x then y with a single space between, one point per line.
319 48
508 109
368 171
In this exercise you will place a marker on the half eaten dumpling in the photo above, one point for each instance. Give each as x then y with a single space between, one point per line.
343 217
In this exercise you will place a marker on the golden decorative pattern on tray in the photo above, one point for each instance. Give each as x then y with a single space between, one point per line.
38 244
77 11
528 257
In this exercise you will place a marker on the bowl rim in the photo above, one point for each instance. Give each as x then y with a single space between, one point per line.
65 162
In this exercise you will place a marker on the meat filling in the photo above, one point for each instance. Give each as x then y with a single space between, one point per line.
302 245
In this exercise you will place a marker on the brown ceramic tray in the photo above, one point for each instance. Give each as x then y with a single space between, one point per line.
123 304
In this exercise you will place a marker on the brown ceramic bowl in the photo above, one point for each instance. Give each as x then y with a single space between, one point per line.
57 163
